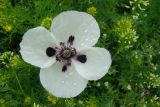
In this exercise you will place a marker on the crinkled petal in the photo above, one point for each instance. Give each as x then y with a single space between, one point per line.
79 24
62 84
97 64
33 47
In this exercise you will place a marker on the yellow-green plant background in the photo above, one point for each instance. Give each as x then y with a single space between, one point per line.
130 30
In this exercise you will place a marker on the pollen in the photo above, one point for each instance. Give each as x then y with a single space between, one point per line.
67 53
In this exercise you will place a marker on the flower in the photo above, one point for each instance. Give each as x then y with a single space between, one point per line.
65 55
46 22
92 10
7 28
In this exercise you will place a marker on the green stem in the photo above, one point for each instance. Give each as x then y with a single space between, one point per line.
19 83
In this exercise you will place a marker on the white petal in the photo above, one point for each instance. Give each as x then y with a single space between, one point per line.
79 24
62 84
97 64
33 47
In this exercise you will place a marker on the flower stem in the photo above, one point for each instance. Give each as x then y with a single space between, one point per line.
19 83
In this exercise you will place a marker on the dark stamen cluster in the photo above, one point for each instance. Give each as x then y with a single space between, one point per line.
65 53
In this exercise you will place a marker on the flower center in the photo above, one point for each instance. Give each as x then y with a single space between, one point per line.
65 52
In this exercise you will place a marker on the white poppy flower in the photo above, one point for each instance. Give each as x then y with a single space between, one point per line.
65 55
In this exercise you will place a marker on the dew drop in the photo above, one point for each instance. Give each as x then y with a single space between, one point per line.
71 73
62 82
82 44
86 31
74 84
87 39
66 76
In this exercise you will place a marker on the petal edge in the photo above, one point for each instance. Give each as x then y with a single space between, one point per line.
79 24
97 64
62 84
33 47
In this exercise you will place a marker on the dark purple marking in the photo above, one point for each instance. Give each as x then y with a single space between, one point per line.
82 58
65 53
50 51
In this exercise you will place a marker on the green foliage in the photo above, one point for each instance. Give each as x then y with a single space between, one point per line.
46 22
130 30
135 5
126 33
92 10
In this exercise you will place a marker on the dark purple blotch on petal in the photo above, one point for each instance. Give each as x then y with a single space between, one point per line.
82 58
50 51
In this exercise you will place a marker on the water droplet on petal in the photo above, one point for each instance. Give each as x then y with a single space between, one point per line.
66 76
82 44
86 39
71 73
86 31
74 84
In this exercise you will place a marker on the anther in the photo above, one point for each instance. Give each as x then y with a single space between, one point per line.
57 58
62 44
50 51
64 68
82 58
71 39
